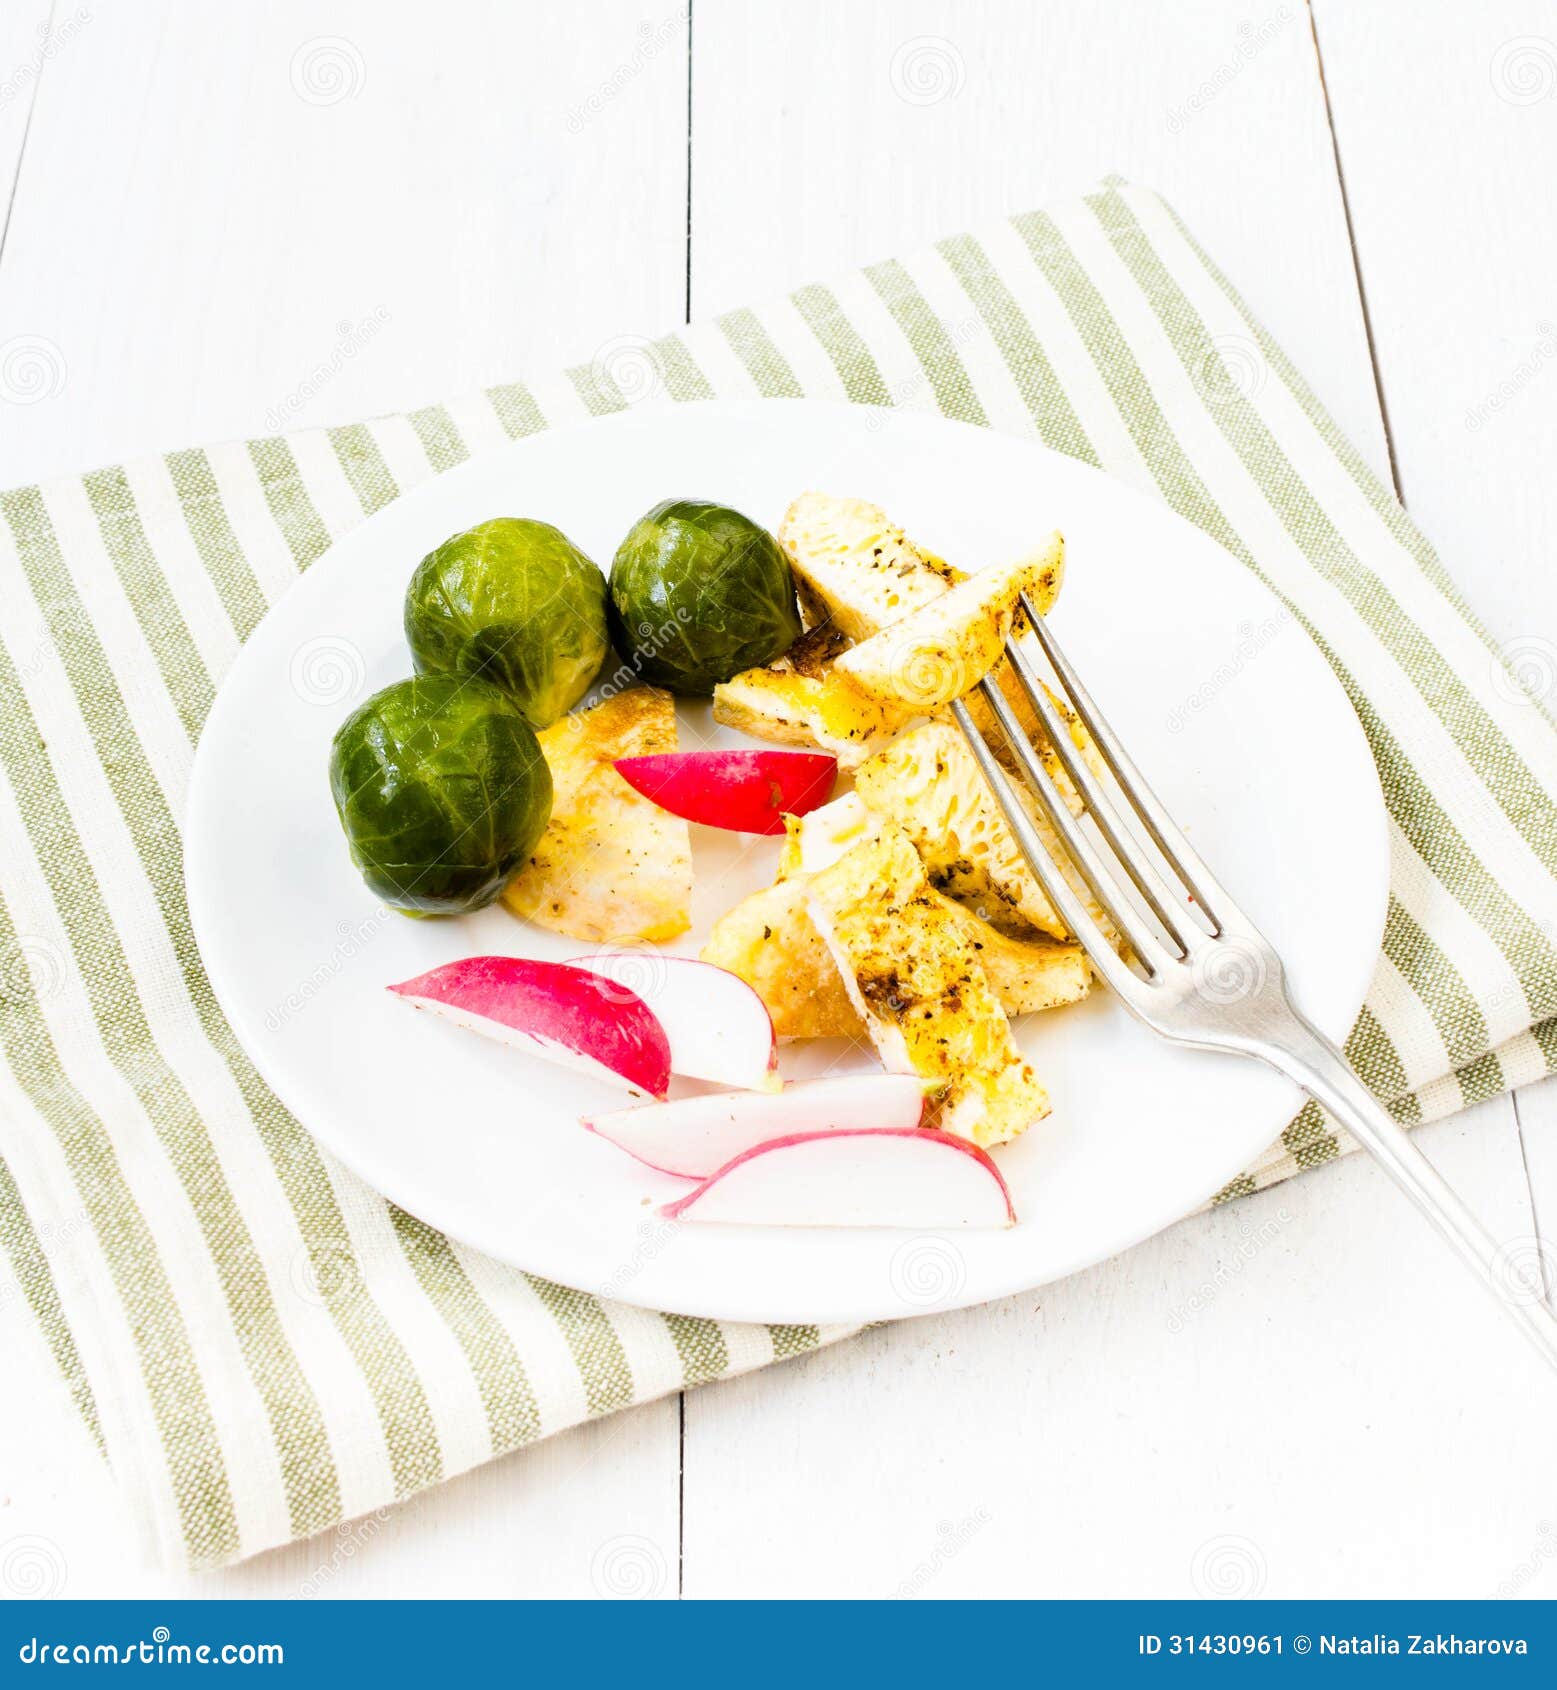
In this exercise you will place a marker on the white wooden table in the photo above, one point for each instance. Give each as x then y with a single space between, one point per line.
223 219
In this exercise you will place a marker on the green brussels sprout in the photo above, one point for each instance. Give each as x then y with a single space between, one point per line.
516 602
698 593
442 789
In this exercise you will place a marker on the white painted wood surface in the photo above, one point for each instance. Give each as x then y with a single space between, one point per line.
1298 1395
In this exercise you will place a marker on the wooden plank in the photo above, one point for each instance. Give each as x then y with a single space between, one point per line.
1444 148
277 218
214 201
859 131
1257 1400
27 47
1448 132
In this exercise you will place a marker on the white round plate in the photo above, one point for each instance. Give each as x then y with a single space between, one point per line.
1226 705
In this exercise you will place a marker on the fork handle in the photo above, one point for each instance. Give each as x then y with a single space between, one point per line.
1319 1067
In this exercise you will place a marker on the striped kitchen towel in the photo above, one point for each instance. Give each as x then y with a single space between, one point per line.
265 1347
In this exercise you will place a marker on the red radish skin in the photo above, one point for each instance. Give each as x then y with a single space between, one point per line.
553 1009
740 791
719 1029
1002 1212
694 1137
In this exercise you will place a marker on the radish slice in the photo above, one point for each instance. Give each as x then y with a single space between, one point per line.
568 1015
695 1137
915 1177
741 791
719 1029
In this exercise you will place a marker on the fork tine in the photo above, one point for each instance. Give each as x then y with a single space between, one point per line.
1161 899
1185 861
1126 919
1070 909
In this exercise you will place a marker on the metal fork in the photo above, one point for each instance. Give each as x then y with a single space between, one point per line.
1200 973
